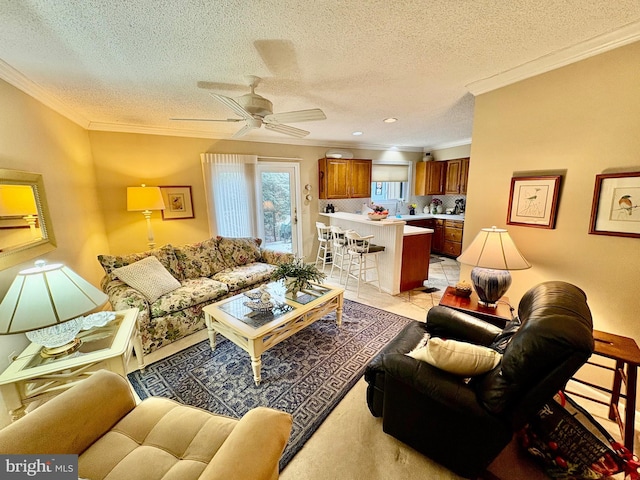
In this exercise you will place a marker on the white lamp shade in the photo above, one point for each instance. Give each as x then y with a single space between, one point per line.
144 198
17 201
47 295
493 248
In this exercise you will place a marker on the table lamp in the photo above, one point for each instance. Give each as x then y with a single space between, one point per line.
47 303
492 254
145 199
19 201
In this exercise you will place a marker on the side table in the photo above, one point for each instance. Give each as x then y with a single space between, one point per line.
626 354
498 316
30 377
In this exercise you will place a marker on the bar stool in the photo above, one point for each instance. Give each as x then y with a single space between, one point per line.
360 250
338 249
324 244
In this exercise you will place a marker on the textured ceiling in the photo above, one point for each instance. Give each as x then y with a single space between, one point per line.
133 65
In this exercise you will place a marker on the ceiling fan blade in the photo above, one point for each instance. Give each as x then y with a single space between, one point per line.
243 131
232 104
297 116
207 120
286 129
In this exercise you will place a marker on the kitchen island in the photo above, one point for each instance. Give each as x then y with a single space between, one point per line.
397 237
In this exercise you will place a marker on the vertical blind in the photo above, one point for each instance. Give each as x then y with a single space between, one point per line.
229 182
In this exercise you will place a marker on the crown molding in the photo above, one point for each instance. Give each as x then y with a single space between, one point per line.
602 43
441 146
195 133
18 80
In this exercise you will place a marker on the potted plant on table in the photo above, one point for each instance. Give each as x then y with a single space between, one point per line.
297 275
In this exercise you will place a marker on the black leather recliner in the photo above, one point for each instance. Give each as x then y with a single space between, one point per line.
465 425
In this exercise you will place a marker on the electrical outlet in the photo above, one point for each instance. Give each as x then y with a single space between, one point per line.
12 356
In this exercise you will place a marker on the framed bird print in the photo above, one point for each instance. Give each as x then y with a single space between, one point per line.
533 201
616 205
177 201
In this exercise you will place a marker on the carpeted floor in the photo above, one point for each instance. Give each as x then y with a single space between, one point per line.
306 375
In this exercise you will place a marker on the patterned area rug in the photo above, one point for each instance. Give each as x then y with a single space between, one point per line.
306 375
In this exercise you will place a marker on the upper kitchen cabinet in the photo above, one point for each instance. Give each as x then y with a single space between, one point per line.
457 173
430 178
464 175
340 178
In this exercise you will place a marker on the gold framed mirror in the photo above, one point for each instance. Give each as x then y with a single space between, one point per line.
26 229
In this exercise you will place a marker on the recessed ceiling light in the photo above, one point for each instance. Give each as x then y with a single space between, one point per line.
357 133
390 120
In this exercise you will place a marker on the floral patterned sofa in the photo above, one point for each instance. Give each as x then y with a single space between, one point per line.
207 272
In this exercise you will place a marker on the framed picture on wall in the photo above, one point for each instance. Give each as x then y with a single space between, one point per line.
615 209
533 201
178 202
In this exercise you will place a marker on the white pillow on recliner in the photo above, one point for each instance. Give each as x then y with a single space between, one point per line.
460 358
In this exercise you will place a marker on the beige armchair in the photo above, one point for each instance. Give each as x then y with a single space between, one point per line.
98 419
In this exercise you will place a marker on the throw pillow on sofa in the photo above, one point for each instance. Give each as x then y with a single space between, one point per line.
202 259
460 358
239 251
164 254
149 277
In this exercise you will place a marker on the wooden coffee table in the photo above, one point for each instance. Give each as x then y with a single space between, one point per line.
255 332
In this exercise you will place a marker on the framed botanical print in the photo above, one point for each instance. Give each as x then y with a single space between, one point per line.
533 201
615 209
178 202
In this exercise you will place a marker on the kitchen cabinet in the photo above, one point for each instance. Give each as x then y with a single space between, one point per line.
456 176
464 175
452 238
447 235
437 239
430 178
341 178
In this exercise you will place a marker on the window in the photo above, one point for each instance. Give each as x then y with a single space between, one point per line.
389 182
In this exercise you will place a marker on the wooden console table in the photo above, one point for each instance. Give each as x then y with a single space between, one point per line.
499 315
626 354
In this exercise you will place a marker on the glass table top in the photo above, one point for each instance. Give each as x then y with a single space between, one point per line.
93 340
281 306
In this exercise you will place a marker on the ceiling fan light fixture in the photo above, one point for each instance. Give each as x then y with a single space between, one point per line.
257 111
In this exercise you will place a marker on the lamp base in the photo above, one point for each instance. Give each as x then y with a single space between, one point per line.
62 350
490 284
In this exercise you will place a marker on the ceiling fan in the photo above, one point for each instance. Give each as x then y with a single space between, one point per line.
256 111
